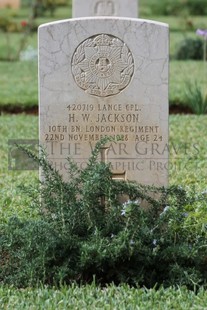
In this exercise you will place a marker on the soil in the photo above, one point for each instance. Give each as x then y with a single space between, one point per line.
18 110
174 109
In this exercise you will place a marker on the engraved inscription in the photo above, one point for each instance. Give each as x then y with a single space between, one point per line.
90 123
104 8
102 65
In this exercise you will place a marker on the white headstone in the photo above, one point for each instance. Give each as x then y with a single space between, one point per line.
124 8
106 77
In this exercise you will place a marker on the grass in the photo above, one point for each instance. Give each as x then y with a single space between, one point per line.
11 200
180 73
93 297
188 152
10 50
18 82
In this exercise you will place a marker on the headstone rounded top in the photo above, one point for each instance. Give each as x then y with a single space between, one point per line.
106 19
102 65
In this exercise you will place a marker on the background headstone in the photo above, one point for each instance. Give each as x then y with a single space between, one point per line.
106 77
124 8
14 4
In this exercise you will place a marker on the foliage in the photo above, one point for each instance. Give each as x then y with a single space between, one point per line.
84 231
41 7
196 99
27 3
94 297
198 7
190 49
179 73
175 7
166 7
8 26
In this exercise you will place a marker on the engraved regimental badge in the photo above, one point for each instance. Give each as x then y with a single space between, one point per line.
102 65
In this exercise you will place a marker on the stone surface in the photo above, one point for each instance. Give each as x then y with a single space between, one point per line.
15 4
124 8
106 77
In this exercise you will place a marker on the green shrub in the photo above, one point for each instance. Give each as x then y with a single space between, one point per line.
84 232
175 7
40 7
198 7
63 2
165 7
7 24
27 3
195 98
190 49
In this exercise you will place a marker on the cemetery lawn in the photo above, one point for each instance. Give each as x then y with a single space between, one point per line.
93 297
19 87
